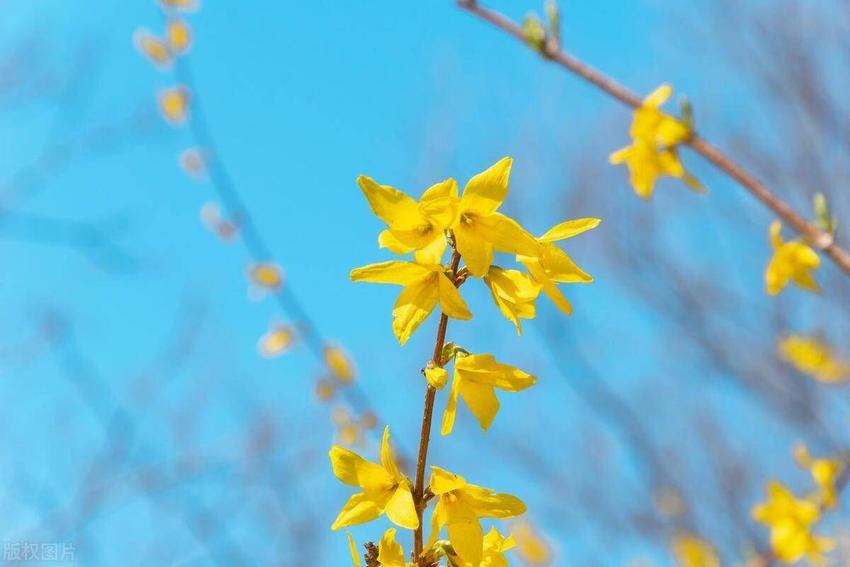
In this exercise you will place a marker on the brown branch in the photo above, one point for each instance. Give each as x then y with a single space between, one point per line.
814 235
419 497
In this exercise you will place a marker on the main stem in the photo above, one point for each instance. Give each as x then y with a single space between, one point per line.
427 418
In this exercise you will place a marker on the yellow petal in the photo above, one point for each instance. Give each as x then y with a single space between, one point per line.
451 302
440 203
488 504
483 369
467 539
560 267
354 470
339 363
276 341
432 253
386 239
390 552
451 409
775 232
549 288
442 481
266 274
506 235
400 509
570 228
389 204
152 47
477 253
174 104
414 304
358 510
514 294
485 192
387 457
659 96
482 401
352 548
392 272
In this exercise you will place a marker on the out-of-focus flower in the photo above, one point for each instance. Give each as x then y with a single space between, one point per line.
824 473
369 420
424 285
276 341
266 275
459 507
182 5
812 356
791 521
179 36
514 293
153 48
552 265
531 546
193 162
349 432
692 551
655 139
384 488
325 390
212 218
669 502
476 377
174 104
339 363
792 261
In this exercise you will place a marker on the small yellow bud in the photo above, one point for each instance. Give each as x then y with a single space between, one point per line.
436 376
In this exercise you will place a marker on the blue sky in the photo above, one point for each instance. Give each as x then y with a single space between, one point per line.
301 99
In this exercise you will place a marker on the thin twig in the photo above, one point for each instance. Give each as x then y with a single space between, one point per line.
811 233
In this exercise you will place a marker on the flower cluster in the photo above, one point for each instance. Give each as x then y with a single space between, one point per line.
472 228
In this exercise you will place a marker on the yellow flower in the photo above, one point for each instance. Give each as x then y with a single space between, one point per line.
553 265
655 137
339 363
349 432
212 218
183 5
791 520
325 390
459 507
691 551
812 356
153 48
276 341
514 294
824 472
179 36
530 546
476 378
385 488
174 104
495 546
266 275
480 229
413 226
424 285
390 552
791 262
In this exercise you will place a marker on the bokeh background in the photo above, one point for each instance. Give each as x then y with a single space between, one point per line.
140 424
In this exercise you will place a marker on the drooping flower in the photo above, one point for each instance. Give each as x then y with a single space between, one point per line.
385 490
174 104
692 551
276 341
424 285
514 294
460 506
552 265
480 229
812 356
824 473
476 377
530 545
791 521
653 153
413 226
792 261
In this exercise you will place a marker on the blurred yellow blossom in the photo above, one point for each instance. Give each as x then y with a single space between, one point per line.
692 551
495 546
459 507
792 261
812 356
652 125
179 36
339 363
193 162
390 552
212 218
266 275
276 341
824 473
791 521
514 294
174 104
531 546
183 5
476 376
384 488
325 390
552 265
424 285
152 47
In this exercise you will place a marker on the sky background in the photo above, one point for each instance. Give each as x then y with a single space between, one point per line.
302 98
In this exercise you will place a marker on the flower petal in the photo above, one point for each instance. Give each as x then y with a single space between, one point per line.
352 547
451 302
354 470
485 192
400 509
506 235
443 481
570 228
358 510
451 408
477 253
389 204
414 304
440 203
482 401
392 272
390 552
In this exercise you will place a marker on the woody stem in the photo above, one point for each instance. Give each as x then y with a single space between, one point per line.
427 417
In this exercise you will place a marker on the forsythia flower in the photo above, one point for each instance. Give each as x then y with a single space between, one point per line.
385 488
553 265
514 294
480 229
495 546
476 377
339 363
459 507
179 36
655 137
153 48
791 261
691 551
184 5
824 472
266 275
811 356
533 550
791 521
390 552
424 286
193 162
174 104
276 341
